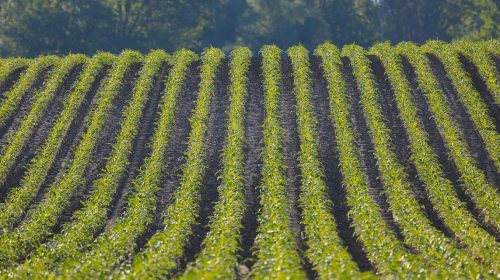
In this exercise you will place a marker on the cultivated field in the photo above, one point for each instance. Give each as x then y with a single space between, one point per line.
333 163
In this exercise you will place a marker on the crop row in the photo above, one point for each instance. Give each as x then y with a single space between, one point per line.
381 245
12 98
404 206
416 227
325 250
85 247
10 66
485 65
472 101
218 258
276 248
472 177
112 245
491 46
17 141
161 255
32 231
20 197
481 192
79 233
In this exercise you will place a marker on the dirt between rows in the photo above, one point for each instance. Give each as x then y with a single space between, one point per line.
215 139
12 79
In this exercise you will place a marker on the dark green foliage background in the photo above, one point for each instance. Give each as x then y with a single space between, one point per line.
34 27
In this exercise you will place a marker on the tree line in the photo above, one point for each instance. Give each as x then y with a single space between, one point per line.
33 27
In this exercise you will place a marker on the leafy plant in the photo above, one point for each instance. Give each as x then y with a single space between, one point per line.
112 245
32 231
326 251
472 101
417 229
12 99
382 247
11 65
161 254
218 258
473 179
21 197
276 248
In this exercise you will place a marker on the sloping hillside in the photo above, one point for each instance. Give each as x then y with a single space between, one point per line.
329 163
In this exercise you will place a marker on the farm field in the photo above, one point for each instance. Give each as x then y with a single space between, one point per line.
332 163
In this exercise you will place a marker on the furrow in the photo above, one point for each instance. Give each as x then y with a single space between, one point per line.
47 100
13 98
326 252
218 258
10 72
275 244
38 169
382 247
111 246
470 99
419 231
329 159
161 257
291 150
472 178
44 217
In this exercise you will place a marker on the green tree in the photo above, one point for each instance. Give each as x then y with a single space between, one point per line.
32 27
308 22
472 19
223 17
416 20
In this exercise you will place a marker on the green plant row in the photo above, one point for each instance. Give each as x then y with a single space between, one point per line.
473 179
276 247
218 258
417 229
13 97
17 141
474 104
325 250
21 197
481 192
32 231
492 46
111 246
11 65
165 248
381 245
386 162
484 64
79 233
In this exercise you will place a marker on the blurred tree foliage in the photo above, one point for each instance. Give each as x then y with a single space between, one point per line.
32 27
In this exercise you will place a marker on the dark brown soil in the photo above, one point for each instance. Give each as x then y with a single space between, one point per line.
483 90
291 153
141 149
329 157
437 143
469 132
215 140
365 144
73 135
103 147
24 106
254 117
253 162
12 79
174 155
401 143
41 131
